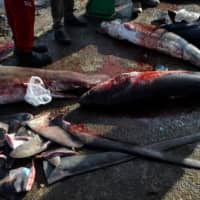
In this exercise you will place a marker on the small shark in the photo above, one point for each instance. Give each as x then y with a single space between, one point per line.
14 80
153 37
140 88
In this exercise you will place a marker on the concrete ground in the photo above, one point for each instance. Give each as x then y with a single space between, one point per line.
140 179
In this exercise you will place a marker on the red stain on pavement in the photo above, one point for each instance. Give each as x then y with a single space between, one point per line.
114 66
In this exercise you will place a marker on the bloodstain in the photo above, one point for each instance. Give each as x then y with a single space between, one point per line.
113 66
140 27
81 128
147 35
151 75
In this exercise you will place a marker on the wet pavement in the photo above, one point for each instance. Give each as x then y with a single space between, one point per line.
92 52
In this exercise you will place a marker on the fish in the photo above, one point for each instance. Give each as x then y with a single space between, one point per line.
54 156
183 15
98 141
176 16
21 136
62 151
18 180
14 141
14 80
55 161
14 121
42 126
153 37
140 88
59 136
3 130
3 172
188 31
79 164
38 121
22 116
24 131
2 156
30 148
3 159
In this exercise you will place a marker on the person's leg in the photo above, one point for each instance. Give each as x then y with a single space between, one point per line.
37 48
9 15
21 17
69 8
69 17
57 12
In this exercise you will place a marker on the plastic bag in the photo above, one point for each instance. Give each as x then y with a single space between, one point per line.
36 93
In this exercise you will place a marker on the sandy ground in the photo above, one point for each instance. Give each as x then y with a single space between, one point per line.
140 179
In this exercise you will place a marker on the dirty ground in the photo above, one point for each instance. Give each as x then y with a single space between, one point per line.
140 179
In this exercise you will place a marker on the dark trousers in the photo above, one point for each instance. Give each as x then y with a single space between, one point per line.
21 17
61 9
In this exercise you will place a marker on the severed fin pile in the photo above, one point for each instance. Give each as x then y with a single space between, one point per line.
25 139
58 143
82 163
18 180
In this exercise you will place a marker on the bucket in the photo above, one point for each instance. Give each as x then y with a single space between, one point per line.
104 9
